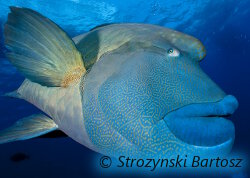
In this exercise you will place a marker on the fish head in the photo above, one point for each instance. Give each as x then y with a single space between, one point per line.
151 98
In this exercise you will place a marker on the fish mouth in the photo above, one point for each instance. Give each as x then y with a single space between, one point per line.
204 124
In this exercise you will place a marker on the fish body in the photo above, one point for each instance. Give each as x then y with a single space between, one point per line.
120 89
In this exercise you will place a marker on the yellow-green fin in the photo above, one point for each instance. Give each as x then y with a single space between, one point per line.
40 49
26 128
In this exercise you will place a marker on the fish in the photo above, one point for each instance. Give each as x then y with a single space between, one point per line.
19 156
120 89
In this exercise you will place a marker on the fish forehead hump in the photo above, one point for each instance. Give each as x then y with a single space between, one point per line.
108 38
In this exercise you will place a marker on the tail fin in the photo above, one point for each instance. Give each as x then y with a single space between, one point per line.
40 49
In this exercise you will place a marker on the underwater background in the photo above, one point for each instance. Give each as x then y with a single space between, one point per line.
222 25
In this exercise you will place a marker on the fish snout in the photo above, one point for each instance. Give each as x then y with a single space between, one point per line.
229 104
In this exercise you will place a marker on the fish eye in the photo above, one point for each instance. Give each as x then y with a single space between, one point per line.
170 51
173 52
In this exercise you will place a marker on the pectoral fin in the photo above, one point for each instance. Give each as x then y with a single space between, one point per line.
26 128
41 50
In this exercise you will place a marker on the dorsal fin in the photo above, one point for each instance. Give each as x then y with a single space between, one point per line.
102 25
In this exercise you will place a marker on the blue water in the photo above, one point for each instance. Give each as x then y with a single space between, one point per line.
222 25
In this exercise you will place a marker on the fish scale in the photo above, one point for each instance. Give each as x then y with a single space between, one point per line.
63 105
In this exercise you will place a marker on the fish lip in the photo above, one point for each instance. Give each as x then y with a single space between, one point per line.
221 149
219 111
222 108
